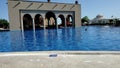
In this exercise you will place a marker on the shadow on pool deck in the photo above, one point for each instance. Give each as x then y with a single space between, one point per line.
61 59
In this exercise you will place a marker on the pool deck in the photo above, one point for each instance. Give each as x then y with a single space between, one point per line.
61 59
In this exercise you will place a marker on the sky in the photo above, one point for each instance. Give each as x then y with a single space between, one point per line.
90 8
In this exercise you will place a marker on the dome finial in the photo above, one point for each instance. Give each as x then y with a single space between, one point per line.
76 1
48 0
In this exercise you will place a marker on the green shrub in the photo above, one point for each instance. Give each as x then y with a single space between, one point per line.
4 23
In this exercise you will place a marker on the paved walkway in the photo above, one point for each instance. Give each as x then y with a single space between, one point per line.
75 59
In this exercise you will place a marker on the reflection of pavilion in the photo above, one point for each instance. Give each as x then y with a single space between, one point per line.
42 15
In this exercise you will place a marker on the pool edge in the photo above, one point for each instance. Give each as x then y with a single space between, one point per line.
60 52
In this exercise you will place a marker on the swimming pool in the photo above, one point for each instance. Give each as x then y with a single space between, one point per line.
95 38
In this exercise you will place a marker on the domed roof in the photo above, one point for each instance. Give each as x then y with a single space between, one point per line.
99 16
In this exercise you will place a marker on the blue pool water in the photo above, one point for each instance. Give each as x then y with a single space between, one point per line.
95 38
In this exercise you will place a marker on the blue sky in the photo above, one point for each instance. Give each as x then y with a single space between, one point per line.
89 8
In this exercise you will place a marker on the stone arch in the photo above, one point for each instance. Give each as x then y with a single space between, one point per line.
39 22
27 22
51 19
62 21
69 21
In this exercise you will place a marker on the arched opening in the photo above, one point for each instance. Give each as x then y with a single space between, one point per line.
61 21
69 21
27 22
51 20
39 23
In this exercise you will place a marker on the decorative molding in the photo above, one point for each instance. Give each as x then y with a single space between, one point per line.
29 5
55 6
40 6
16 5
72 7
64 6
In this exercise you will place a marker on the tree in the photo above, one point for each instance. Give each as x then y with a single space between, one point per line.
4 24
117 22
85 20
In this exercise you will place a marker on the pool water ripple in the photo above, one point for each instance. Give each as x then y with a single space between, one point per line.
95 38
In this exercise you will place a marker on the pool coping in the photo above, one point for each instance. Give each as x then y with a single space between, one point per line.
60 53
60 59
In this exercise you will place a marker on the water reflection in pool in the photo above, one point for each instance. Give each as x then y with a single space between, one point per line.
92 38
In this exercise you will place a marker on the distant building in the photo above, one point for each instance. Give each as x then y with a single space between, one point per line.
24 15
100 19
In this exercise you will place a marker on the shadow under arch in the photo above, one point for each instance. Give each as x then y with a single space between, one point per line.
61 23
39 23
69 21
51 20
27 22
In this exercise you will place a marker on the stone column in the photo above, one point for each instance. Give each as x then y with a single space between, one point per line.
56 23
44 23
73 21
34 35
65 20
33 23
65 23
21 26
